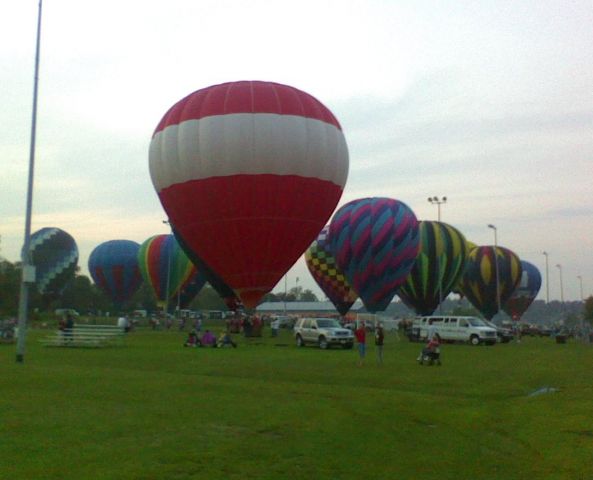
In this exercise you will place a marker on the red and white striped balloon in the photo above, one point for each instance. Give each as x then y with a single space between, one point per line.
248 173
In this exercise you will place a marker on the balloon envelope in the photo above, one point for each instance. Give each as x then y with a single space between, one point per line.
526 291
113 265
479 278
248 173
375 242
322 265
457 288
438 267
224 291
167 269
54 254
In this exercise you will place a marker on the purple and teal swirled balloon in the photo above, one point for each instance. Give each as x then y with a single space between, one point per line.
375 242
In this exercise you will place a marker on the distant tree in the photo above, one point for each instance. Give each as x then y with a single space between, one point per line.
285 297
308 296
270 297
78 294
588 310
10 277
463 310
208 299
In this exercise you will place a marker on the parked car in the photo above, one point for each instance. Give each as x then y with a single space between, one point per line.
456 329
503 334
323 332
284 322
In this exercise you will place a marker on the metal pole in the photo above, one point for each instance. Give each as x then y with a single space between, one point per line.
25 257
547 279
439 201
285 283
561 284
581 286
168 282
495 250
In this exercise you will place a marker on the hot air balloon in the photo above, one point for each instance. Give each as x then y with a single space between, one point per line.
167 270
114 268
224 291
375 242
479 278
458 286
526 291
438 267
325 272
248 172
54 254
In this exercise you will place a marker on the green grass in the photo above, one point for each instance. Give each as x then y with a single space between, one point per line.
153 409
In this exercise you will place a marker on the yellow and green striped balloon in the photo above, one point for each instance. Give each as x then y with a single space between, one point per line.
439 266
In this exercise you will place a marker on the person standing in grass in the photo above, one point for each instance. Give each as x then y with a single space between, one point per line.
360 334
379 338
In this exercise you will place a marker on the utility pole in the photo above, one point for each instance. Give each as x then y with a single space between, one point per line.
28 272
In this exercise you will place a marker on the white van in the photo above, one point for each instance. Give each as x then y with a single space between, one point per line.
457 329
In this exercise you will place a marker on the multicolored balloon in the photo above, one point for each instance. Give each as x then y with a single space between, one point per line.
526 291
375 242
54 254
459 285
167 270
113 265
479 278
325 272
248 173
438 267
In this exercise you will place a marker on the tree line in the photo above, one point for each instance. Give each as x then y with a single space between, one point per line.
82 295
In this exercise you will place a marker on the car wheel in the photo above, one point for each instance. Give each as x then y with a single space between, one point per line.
323 343
299 341
474 340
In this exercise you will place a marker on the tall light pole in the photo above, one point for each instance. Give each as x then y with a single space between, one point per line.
495 251
547 278
581 285
559 267
438 202
28 271
285 289
166 222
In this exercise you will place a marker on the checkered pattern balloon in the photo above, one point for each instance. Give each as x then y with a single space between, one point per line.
329 277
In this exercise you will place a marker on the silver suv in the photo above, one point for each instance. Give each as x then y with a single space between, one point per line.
323 332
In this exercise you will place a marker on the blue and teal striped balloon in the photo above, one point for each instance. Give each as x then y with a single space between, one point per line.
375 242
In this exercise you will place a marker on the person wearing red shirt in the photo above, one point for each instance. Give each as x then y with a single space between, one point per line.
360 334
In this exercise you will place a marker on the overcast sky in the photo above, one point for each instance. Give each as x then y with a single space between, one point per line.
489 103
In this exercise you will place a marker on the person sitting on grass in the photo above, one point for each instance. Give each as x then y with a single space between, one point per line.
192 340
208 339
225 340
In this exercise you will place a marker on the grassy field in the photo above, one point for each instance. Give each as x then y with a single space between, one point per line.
153 409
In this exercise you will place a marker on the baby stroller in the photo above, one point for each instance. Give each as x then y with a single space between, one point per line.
431 353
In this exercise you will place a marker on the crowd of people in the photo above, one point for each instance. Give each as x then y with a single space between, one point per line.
208 339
